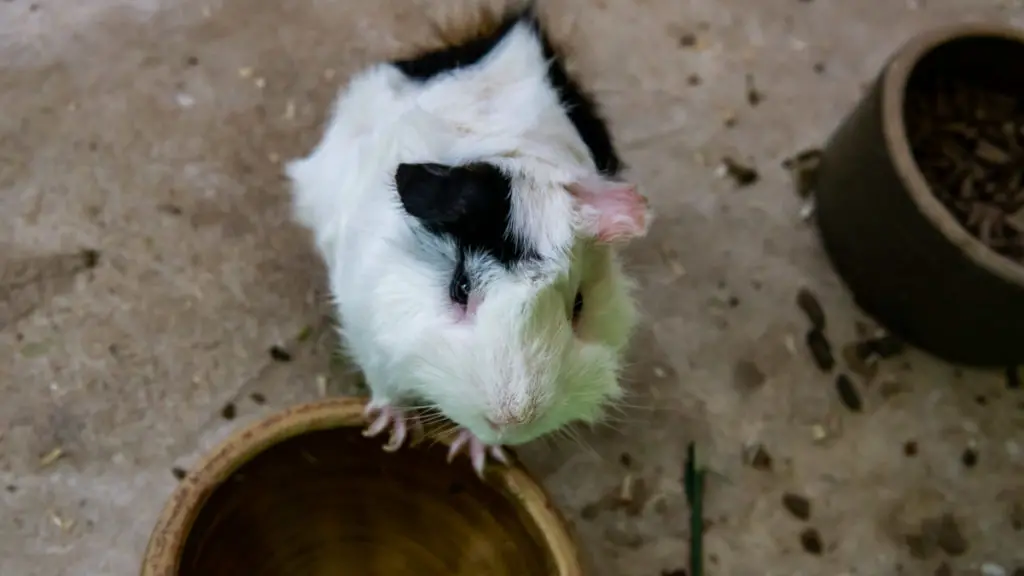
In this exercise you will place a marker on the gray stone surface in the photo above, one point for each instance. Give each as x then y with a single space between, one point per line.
152 131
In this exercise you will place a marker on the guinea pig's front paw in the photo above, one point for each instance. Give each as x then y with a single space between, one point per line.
476 448
388 417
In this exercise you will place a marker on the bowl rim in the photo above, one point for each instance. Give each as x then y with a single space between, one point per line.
167 540
894 84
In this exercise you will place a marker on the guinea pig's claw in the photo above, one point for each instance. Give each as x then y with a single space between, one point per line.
498 454
388 417
398 433
476 450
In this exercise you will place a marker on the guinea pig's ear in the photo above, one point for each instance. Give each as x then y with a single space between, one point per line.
427 193
612 211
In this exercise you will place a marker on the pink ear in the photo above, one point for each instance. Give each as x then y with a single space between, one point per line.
612 211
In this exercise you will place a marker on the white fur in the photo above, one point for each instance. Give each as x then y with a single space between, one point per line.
519 360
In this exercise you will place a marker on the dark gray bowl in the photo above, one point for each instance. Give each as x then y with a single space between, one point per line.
906 259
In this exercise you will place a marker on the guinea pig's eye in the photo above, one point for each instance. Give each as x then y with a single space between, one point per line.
460 287
577 306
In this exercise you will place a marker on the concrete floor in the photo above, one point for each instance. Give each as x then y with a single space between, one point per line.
152 132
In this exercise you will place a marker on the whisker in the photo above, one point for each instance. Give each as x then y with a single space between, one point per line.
577 440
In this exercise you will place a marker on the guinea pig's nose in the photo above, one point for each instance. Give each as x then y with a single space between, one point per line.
504 422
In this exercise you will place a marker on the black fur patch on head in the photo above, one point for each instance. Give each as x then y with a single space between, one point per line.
471 204
579 106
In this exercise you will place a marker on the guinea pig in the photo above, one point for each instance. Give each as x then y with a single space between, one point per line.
467 203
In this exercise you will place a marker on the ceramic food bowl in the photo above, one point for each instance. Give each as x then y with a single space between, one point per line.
896 213
303 492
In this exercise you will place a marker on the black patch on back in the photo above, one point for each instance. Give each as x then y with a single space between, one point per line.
580 107
582 111
471 204
430 64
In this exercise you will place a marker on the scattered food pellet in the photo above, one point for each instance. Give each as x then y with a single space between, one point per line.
810 540
51 456
626 460
969 458
11 488
170 209
625 494
884 347
591 511
192 61
848 393
671 259
919 547
62 523
747 375
949 537
861 365
228 412
741 174
910 448
279 354
811 307
803 168
754 96
807 210
761 459
633 495
819 67
688 40
821 350
258 398
90 258
178 473
796 505
619 537
890 387
790 343
694 80
304 334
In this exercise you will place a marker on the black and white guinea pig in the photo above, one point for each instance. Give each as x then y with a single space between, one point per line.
467 203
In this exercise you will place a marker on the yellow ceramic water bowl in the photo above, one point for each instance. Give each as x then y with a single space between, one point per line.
304 493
